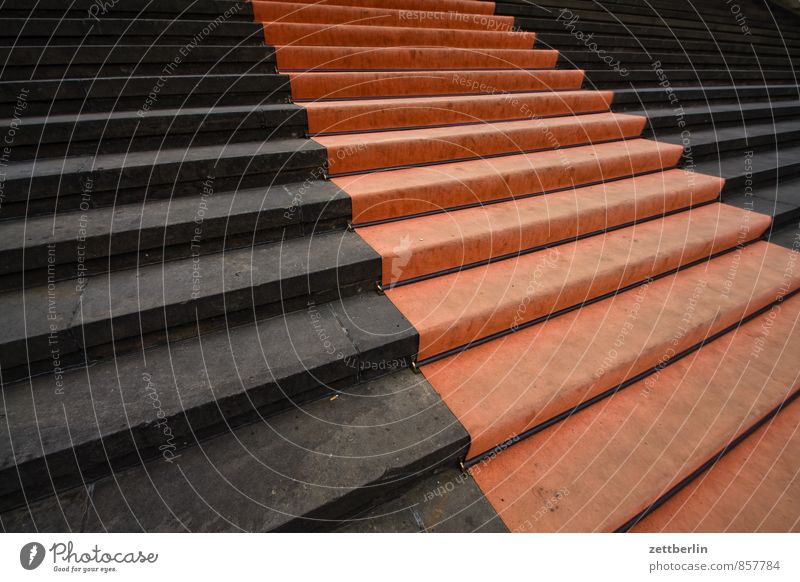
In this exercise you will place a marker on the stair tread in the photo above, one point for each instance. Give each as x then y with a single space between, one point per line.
213 382
607 463
751 489
393 149
429 244
143 226
456 309
109 307
368 84
387 195
380 114
605 343
285 33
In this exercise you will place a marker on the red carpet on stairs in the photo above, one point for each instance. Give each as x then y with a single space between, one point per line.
592 314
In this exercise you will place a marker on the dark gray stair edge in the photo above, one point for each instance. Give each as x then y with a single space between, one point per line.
239 10
127 131
90 175
662 117
69 244
49 449
448 501
632 98
710 13
94 317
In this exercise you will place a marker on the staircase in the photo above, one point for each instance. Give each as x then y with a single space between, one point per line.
572 252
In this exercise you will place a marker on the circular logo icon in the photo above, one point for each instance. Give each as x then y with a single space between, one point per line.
31 555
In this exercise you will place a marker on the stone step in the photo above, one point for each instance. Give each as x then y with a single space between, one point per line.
608 344
325 86
435 244
455 311
331 117
69 62
54 185
159 403
562 40
41 250
359 58
628 58
125 31
682 16
91 318
652 77
703 142
752 489
285 33
362 152
382 196
747 168
612 461
660 119
637 98
81 134
138 94
643 33
779 200
231 10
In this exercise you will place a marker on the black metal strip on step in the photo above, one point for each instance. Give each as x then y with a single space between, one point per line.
630 381
475 343
628 525
477 69
416 95
544 246
354 226
484 157
441 125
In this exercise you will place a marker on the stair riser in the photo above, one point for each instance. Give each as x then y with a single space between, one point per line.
346 155
285 34
353 116
354 85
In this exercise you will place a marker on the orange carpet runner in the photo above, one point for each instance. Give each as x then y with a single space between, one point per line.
597 319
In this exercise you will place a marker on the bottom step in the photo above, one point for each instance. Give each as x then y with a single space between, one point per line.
606 464
303 469
754 488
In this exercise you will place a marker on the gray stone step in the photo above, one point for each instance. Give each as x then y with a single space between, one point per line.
87 319
630 59
751 168
126 131
144 31
661 119
657 30
652 12
634 99
98 11
563 40
68 62
148 411
780 200
711 141
139 94
45 186
446 502
69 244
608 78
